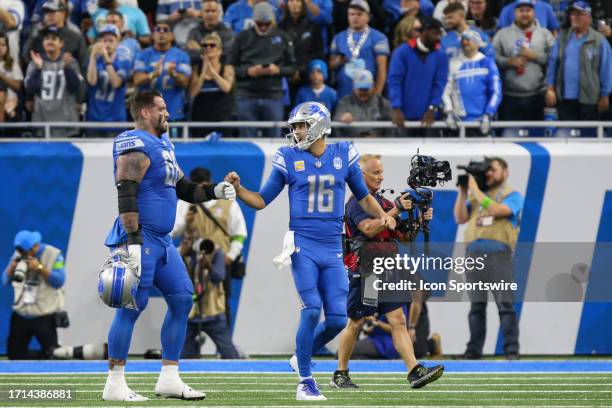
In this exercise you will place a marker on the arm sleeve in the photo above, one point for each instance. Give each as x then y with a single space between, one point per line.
395 78
448 91
355 178
500 59
183 65
57 275
381 46
237 230
275 184
179 222
440 80
514 201
325 13
73 77
495 91
234 60
605 68
355 213
287 66
506 16
551 72
5 278
33 79
217 275
140 63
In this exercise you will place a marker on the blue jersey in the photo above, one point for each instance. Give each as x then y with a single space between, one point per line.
316 188
173 94
105 103
239 15
157 193
473 88
327 96
376 44
451 43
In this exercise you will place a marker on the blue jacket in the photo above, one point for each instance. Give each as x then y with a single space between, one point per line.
416 81
473 88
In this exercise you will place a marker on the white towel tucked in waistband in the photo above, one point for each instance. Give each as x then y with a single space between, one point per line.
283 259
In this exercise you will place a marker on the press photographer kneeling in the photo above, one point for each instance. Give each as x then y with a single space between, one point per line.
36 272
361 226
492 210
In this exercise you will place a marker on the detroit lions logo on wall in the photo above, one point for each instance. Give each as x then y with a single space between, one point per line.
337 163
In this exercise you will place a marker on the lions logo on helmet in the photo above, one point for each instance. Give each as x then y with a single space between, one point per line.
117 281
316 117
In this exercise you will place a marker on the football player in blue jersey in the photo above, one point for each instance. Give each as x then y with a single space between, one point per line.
149 183
317 174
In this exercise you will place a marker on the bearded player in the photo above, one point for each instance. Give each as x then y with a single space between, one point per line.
316 173
149 182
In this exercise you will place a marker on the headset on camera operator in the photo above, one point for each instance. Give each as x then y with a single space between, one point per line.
361 228
492 211
205 264
36 272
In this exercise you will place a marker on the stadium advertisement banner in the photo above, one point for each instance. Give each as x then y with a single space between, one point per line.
66 191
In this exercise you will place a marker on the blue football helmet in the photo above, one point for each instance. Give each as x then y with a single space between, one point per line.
118 282
318 119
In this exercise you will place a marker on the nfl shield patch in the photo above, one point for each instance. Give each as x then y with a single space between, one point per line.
337 163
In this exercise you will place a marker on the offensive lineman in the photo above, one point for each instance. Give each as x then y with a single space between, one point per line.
149 182
317 174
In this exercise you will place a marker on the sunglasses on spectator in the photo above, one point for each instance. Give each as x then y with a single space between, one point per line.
209 45
162 29
418 29
263 24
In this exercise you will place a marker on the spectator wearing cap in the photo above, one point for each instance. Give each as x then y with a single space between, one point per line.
261 57
417 77
135 19
12 14
184 15
579 76
166 68
210 22
522 51
239 16
306 38
454 19
55 98
211 85
36 273
317 91
357 48
107 75
363 105
378 16
54 15
545 15
473 90
126 41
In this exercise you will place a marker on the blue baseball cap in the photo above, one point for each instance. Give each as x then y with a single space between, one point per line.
318 65
363 80
109 29
27 239
581 5
521 3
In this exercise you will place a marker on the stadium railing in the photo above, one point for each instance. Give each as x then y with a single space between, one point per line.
565 130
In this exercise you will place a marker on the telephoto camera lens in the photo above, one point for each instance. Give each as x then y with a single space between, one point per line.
20 271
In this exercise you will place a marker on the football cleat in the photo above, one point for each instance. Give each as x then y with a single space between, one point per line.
308 390
420 376
179 390
341 379
120 392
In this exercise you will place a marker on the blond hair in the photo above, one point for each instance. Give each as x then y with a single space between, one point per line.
366 157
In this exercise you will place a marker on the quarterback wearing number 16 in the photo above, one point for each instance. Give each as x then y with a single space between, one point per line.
317 174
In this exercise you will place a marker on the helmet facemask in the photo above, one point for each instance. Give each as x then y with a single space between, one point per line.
305 140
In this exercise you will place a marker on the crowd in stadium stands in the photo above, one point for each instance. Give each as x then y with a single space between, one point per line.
253 60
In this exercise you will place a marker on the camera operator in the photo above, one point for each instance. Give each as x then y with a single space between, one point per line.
493 219
36 272
362 226
205 264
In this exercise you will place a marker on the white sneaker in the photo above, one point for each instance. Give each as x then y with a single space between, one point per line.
120 392
308 390
177 389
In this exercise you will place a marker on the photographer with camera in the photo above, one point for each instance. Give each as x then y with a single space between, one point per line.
492 210
362 226
36 272
205 264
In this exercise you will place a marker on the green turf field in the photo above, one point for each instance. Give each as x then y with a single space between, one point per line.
257 389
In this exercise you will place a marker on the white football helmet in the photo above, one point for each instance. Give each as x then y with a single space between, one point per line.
318 119
118 282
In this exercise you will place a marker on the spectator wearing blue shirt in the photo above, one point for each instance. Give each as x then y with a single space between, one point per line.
239 16
317 91
107 75
579 76
135 21
397 8
36 272
493 219
165 68
184 15
357 48
417 77
454 19
126 42
473 91
545 15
